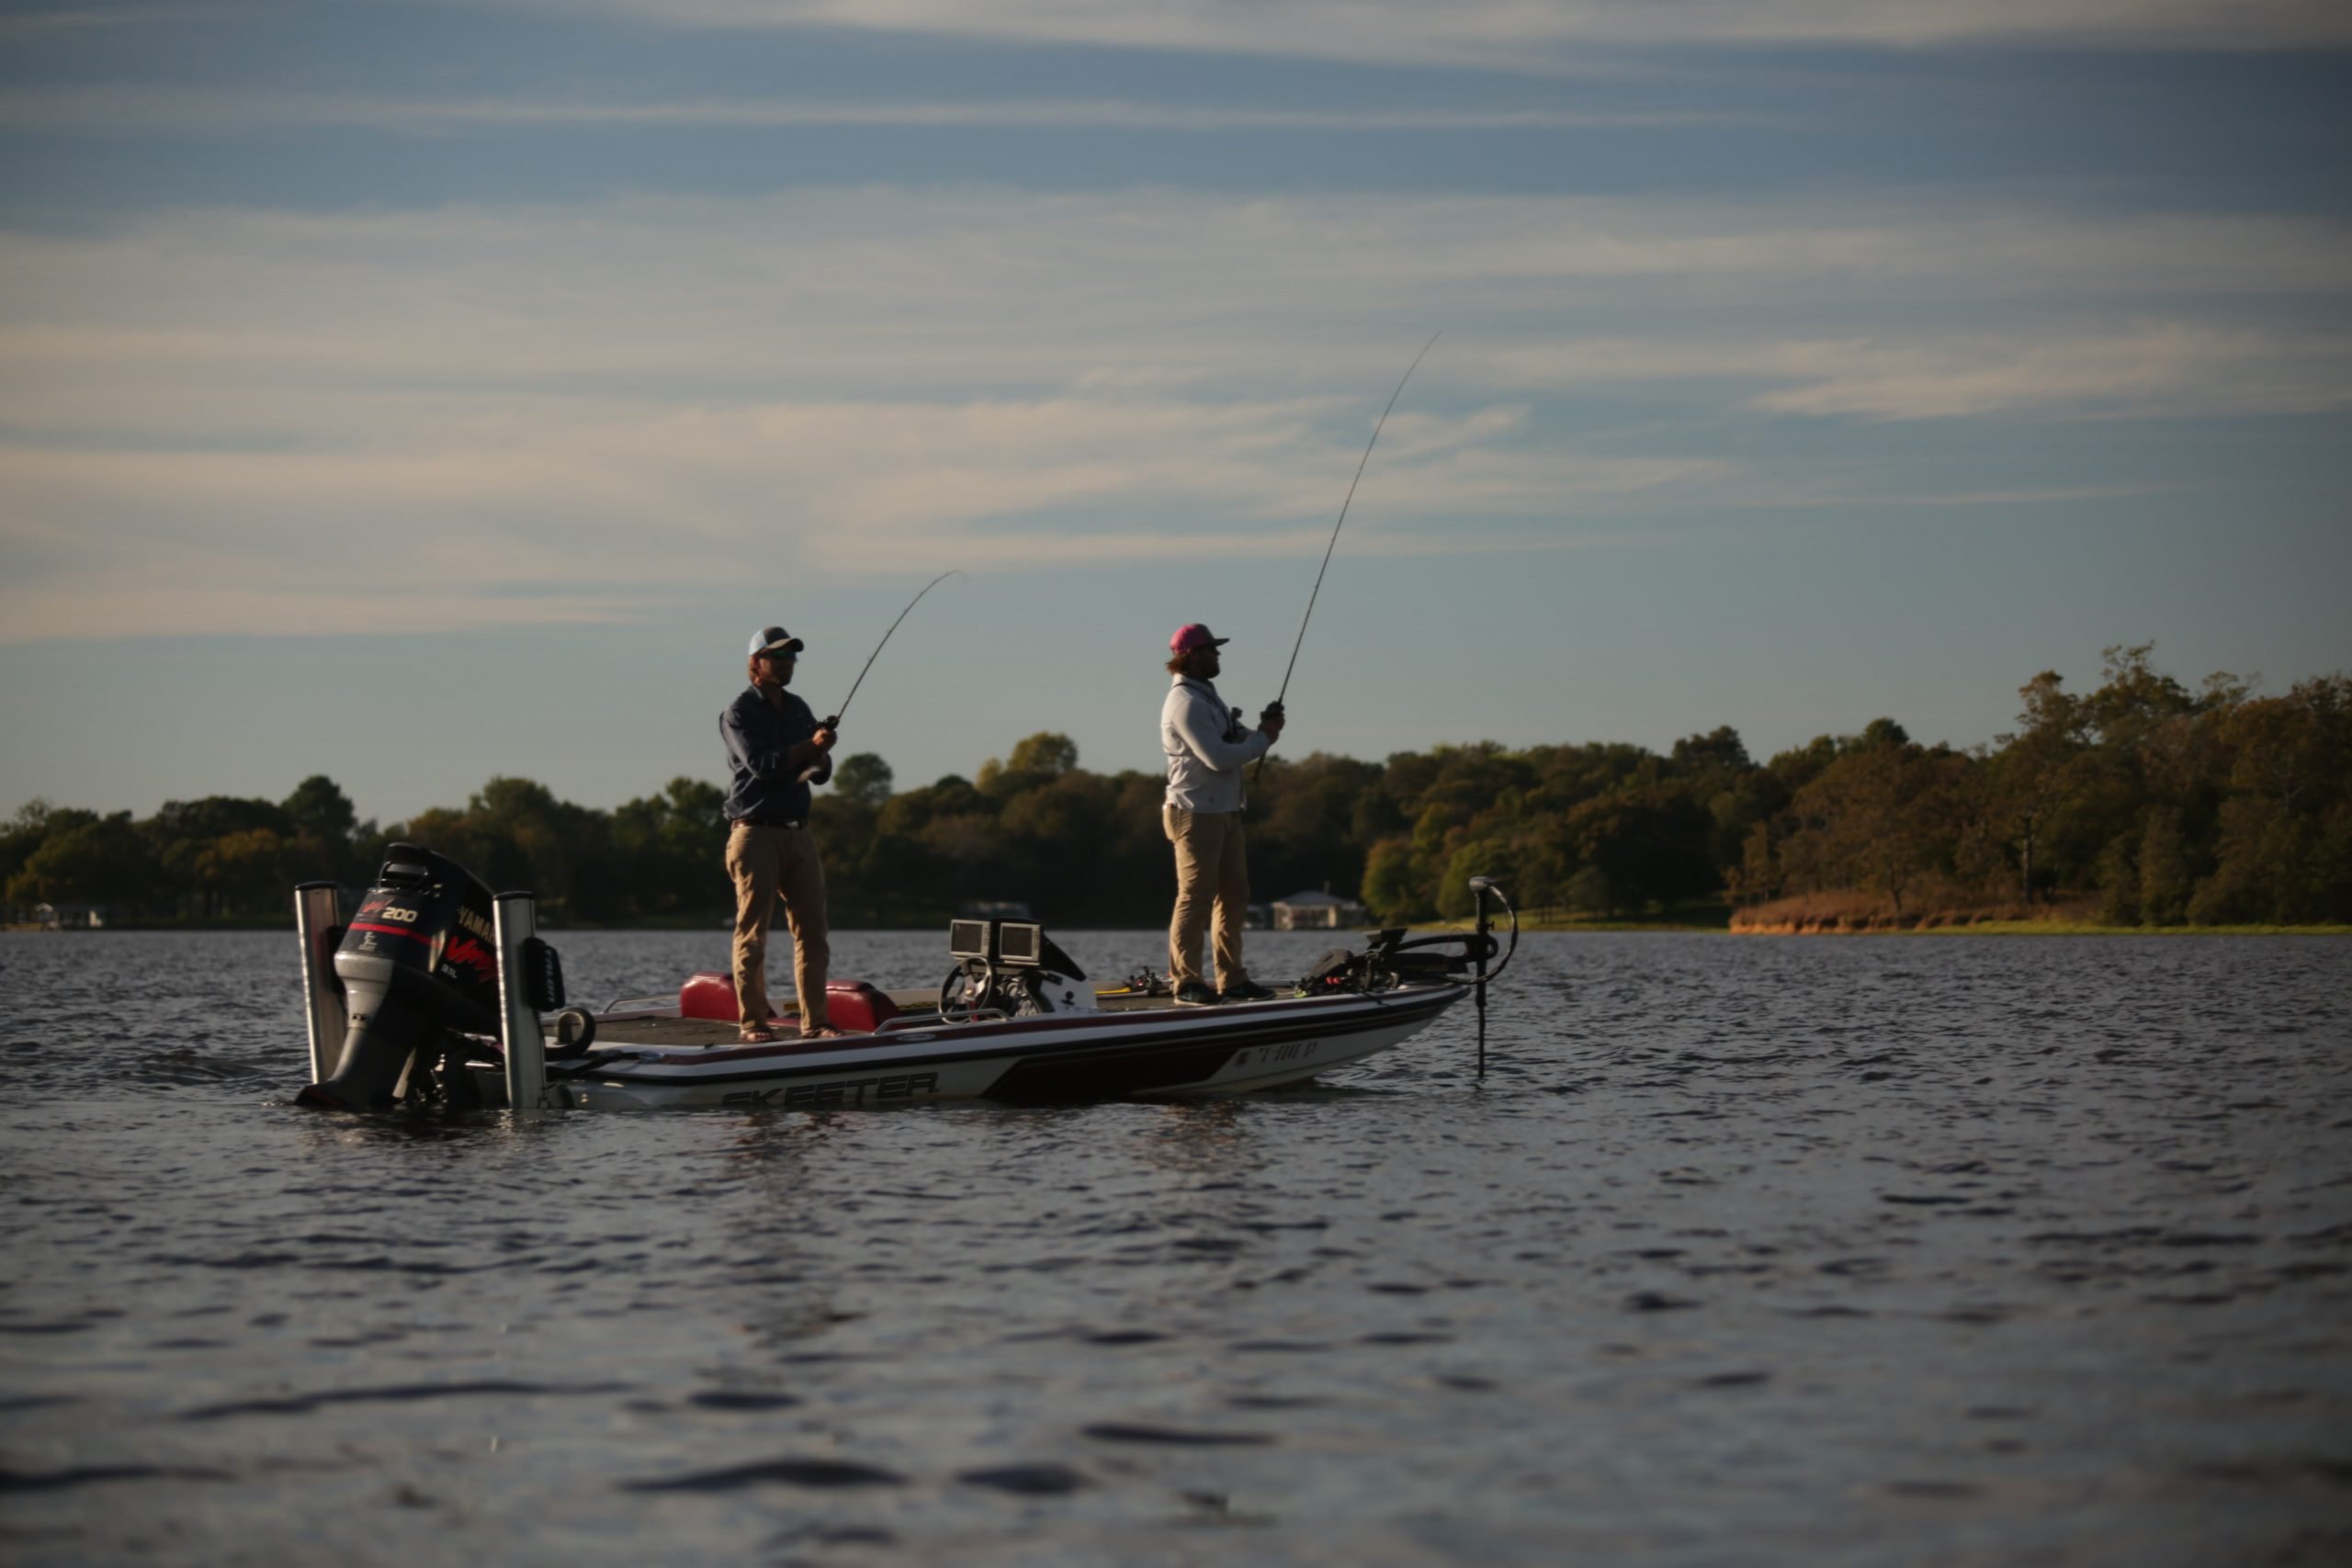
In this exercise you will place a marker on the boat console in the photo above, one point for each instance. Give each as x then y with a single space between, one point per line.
1009 969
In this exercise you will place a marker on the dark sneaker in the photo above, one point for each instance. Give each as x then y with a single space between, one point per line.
1194 993
1247 991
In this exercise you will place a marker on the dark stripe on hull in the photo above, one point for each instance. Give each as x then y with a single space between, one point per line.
1109 1073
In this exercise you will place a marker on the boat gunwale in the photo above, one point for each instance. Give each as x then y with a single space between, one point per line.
1017 1037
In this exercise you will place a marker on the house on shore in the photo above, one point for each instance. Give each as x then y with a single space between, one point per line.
1317 911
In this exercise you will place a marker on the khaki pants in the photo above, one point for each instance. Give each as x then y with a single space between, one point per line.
766 863
1210 868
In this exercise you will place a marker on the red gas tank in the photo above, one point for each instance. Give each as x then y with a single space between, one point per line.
850 1005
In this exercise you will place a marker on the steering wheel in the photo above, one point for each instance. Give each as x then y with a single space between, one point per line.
967 986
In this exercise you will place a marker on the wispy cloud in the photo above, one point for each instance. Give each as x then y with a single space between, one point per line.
32 22
1515 35
2131 367
2159 369
117 109
591 512
2036 497
214 420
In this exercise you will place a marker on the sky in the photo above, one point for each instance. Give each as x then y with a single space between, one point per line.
418 393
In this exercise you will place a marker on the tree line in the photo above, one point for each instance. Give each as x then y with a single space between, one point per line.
2168 804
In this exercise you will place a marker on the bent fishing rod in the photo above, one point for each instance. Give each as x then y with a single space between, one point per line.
810 770
1344 504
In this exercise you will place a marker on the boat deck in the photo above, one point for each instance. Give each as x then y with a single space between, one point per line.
702 1034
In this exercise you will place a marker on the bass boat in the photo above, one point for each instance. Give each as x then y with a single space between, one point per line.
434 992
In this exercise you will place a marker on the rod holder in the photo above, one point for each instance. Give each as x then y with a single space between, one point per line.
514 918
318 919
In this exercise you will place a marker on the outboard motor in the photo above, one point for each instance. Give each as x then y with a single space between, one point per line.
418 959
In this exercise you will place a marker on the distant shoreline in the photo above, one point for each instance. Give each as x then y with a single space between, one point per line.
1864 914
2034 928
1857 915
1932 922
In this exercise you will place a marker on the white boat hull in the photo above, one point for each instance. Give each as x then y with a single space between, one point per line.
1209 1051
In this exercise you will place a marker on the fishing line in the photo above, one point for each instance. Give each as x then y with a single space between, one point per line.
1344 504
1344 511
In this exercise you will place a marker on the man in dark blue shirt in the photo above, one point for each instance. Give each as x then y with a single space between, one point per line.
775 745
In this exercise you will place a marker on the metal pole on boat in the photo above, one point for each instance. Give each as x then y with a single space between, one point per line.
318 919
1481 887
515 920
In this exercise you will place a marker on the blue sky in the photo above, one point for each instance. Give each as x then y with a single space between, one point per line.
415 393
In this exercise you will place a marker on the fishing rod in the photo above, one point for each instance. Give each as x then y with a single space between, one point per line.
1343 518
810 772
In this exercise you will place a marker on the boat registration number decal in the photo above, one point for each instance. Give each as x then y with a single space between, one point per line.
844 1091
1275 1056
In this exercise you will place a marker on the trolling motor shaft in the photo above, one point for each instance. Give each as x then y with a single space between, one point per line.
1483 888
1480 886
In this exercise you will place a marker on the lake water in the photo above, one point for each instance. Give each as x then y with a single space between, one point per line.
1861 1250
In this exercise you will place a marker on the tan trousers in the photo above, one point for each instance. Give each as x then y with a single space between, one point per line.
767 864
1210 868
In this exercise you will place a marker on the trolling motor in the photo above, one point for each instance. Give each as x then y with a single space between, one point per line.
419 965
1012 969
1483 888
1389 958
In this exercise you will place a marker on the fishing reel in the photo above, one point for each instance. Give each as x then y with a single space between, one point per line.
1009 969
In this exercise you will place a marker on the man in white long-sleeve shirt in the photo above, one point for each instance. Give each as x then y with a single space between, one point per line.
1207 747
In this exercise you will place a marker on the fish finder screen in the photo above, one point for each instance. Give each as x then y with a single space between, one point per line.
1017 943
968 939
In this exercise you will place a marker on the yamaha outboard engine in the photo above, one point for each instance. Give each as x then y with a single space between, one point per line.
418 959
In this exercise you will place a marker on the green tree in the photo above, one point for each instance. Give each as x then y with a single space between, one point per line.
865 778
2030 776
1045 753
35 822
1304 821
247 871
1037 760
319 809
1589 892
1398 887
1478 857
1878 817
2165 882
103 861
670 848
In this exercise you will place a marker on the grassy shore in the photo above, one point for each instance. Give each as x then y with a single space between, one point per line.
1683 917
1859 914
2092 928
1864 914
